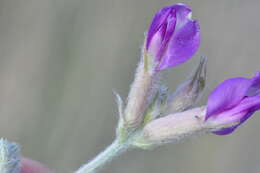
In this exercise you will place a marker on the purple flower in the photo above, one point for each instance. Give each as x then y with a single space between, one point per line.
173 37
233 102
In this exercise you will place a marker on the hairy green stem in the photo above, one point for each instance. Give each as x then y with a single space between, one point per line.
104 157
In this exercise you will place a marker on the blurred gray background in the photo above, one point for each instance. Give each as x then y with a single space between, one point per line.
61 59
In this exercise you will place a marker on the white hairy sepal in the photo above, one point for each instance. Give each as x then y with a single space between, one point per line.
142 92
9 157
172 128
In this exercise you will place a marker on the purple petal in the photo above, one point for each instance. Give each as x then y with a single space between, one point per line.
182 46
225 131
227 95
159 19
169 28
173 36
162 16
238 114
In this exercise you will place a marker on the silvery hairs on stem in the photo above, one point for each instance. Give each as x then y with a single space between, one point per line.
9 157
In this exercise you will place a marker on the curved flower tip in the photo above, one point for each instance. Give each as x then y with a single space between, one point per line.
233 102
173 36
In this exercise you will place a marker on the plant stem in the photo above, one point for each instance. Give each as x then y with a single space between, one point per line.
104 157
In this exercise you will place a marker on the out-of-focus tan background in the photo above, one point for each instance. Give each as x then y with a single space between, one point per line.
61 59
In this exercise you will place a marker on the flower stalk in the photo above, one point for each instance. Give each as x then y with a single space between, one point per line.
115 149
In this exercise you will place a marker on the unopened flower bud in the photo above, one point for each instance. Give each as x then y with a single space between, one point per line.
188 93
9 157
173 37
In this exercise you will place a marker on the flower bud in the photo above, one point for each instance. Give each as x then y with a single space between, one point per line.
188 93
232 103
9 157
173 36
